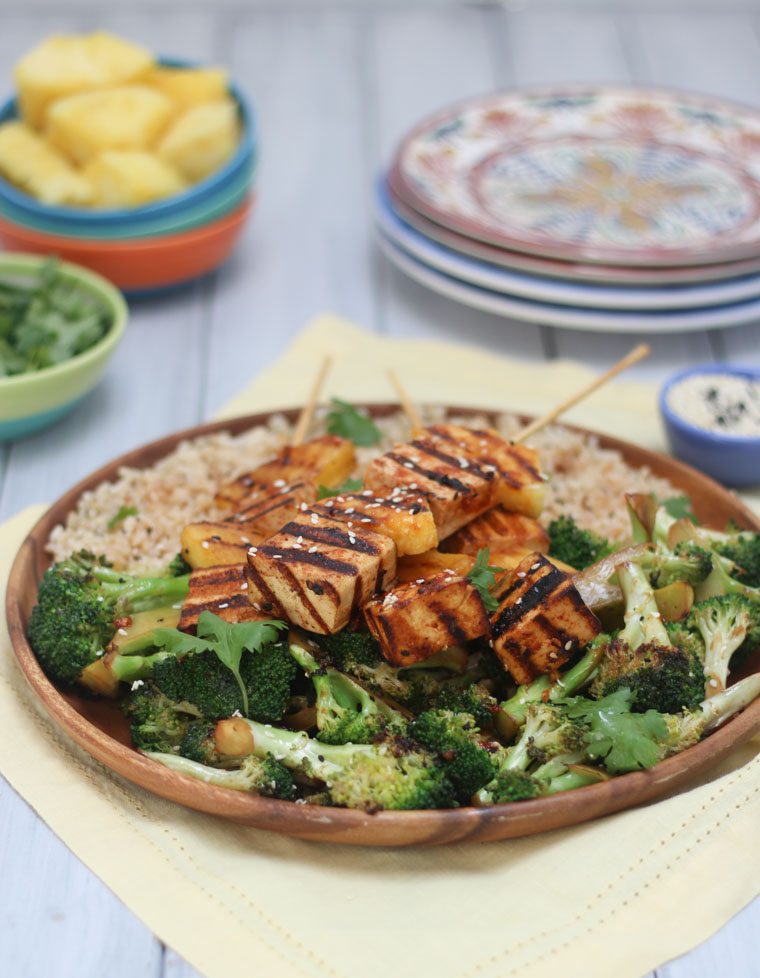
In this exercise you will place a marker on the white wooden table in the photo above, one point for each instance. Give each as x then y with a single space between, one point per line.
335 87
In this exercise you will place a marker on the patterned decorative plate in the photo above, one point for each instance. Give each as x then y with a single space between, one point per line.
626 176
510 282
569 317
563 269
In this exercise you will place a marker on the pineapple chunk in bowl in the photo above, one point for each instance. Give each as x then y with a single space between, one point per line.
204 155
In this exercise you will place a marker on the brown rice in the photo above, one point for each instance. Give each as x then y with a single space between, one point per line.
585 481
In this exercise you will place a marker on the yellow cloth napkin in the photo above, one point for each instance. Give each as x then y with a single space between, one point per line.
595 900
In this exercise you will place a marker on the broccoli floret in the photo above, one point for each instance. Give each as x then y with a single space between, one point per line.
202 679
512 786
79 603
259 776
725 622
456 739
743 550
395 774
663 678
178 566
198 744
157 723
351 650
548 732
643 623
346 712
688 562
574 546
512 712
474 700
688 727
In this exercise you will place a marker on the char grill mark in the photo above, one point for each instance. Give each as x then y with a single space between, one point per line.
534 595
318 560
440 478
299 592
331 536
472 468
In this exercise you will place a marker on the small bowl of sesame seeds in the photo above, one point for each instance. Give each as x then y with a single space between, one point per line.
712 419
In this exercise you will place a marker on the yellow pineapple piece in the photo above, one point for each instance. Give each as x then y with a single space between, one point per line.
190 86
33 166
405 517
424 566
202 139
128 117
65 64
129 178
214 544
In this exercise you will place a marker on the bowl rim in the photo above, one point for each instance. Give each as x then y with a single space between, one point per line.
132 246
715 439
94 284
247 145
352 826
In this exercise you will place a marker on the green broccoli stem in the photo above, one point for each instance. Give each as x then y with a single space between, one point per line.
570 780
293 749
643 621
717 709
514 710
237 779
130 668
141 594
719 581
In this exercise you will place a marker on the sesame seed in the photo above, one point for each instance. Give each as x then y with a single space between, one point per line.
521 573
408 465
535 566
313 550
205 544
137 684
246 539
568 646
519 601
123 631
244 586
365 519
420 580
225 604
350 510
279 483
299 539
253 550
277 556
257 606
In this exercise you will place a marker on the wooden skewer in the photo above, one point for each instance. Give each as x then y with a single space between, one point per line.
307 413
406 403
638 353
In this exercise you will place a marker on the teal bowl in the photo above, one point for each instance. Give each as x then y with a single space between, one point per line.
200 204
30 402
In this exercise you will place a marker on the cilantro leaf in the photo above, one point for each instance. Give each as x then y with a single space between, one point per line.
344 420
121 515
230 639
177 642
484 578
350 485
624 741
679 507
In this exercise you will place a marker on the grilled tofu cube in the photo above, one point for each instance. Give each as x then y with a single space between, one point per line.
519 484
456 490
541 621
423 566
319 570
222 590
499 530
327 461
404 518
414 621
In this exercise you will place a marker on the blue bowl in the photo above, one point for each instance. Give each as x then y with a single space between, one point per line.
731 459
133 222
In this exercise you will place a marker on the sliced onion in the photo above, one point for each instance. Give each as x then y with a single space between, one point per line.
593 583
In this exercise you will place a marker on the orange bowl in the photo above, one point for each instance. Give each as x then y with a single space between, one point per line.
144 265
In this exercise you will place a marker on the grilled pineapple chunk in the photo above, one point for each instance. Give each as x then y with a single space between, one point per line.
29 163
222 590
499 530
128 117
202 139
190 86
519 484
265 512
65 64
326 461
541 621
456 490
320 570
429 564
405 518
414 621
213 544
129 178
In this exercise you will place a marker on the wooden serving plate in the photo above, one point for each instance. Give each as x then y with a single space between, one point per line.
99 727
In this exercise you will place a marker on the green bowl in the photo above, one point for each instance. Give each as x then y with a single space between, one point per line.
29 402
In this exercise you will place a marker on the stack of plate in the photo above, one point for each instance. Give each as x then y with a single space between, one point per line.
597 208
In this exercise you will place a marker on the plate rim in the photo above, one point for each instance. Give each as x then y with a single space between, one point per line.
593 255
440 826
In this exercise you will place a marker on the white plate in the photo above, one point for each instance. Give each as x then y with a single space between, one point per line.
518 284
569 317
